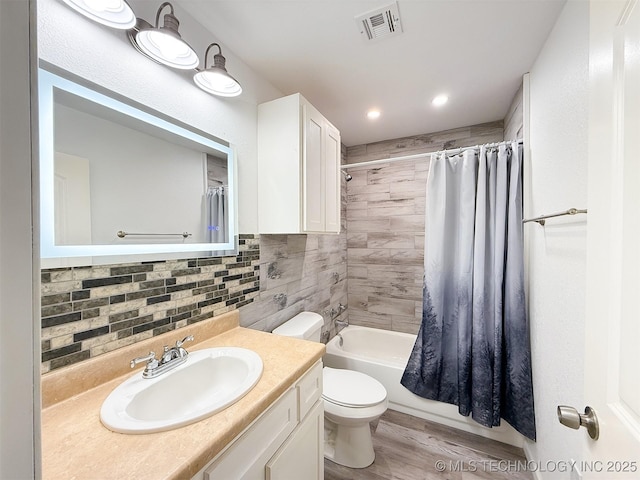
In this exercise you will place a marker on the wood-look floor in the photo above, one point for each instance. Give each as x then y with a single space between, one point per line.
409 448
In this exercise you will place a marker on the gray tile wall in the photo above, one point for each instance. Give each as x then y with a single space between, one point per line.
385 226
428 142
301 273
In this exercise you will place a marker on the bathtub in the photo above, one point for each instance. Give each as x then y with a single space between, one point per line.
383 355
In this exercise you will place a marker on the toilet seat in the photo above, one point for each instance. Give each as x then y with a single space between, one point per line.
352 389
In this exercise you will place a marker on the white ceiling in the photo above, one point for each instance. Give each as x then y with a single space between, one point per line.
476 51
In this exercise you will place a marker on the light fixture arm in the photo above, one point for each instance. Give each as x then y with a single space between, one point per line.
165 4
217 61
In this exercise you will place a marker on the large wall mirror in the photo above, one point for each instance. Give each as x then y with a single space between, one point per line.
117 180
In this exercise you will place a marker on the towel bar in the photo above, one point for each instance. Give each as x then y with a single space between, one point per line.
541 219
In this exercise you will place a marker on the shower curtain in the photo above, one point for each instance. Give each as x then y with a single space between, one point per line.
473 347
216 215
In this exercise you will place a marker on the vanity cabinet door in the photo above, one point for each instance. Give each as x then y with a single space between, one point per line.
313 171
302 455
321 174
332 153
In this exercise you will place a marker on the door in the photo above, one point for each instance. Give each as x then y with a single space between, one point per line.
72 204
612 356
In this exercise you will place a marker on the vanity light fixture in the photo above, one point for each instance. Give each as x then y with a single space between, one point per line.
112 13
164 44
216 79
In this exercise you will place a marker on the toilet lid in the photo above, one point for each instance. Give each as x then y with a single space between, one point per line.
351 389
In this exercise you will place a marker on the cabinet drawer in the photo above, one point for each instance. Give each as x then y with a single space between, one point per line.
309 389
246 457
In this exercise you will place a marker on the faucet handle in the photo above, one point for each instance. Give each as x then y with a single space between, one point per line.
179 343
147 358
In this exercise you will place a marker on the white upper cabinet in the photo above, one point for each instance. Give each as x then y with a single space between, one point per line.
298 168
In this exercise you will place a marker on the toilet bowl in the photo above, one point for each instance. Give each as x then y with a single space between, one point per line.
352 400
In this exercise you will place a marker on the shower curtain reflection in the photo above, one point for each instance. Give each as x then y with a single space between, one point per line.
217 221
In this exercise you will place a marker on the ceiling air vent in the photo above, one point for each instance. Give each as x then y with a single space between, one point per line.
380 23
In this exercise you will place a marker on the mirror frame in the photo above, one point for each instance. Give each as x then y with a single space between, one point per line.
48 82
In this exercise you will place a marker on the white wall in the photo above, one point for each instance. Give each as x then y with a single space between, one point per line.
557 180
105 56
19 431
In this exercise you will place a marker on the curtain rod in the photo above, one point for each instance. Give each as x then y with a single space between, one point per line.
420 155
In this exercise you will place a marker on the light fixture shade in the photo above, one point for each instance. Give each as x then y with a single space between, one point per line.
112 13
165 45
216 80
167 49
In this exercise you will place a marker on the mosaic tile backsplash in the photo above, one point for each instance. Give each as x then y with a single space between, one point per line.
87 311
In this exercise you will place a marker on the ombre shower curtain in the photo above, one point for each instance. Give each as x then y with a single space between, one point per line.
216 215
473 348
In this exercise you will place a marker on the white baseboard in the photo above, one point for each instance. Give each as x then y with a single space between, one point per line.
530 458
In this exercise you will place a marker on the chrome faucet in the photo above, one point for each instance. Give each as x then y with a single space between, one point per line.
342 323
171 358
335 312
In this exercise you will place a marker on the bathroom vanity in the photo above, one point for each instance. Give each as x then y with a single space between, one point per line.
273 432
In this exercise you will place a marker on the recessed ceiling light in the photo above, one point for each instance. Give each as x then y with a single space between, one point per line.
373 114
440 100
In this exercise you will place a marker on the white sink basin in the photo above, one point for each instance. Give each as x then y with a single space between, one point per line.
209 381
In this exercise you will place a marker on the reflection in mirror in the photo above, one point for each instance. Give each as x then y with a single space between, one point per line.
117 180
217 187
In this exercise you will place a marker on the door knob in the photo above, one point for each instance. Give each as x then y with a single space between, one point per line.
570 417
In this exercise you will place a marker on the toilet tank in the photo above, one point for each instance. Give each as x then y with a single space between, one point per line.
305 325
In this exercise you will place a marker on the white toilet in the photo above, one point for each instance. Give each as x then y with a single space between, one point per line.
351 401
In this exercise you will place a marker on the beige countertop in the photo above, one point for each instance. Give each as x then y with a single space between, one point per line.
75 444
